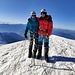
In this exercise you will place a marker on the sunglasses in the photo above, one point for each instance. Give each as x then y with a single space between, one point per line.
33 15
43 13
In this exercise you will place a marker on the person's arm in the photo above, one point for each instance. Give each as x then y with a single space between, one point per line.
38 22
37 18
26 31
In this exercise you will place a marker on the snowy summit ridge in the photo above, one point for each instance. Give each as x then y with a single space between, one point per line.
14 58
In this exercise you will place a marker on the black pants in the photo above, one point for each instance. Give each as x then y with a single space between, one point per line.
33 37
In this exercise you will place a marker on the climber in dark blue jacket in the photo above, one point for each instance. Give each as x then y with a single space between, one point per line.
33 27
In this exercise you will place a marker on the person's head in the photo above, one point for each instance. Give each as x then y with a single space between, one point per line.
43 12
33 14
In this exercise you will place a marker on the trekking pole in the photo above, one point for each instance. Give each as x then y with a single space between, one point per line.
44 69
33 60
34 52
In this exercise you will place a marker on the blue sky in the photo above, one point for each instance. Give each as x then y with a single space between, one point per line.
17 11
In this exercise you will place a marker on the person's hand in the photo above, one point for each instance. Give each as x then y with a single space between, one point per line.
46 31
46 36
25 35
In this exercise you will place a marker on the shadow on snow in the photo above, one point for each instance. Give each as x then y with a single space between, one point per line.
55 59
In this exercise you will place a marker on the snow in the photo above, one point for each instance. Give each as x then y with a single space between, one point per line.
14 58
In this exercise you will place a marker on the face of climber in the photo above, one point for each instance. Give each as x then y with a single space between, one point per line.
43 14
33 16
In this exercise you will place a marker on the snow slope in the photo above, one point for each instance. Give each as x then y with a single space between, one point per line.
14 60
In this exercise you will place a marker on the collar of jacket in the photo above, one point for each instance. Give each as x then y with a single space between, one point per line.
32 19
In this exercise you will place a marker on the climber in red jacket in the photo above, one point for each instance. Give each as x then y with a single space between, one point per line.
45 30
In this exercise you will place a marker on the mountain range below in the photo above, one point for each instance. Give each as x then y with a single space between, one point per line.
14 28
69 34
6 38
10 33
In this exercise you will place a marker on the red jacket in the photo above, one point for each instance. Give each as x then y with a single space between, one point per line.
45 25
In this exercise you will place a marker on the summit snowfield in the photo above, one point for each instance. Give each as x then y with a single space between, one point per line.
14 58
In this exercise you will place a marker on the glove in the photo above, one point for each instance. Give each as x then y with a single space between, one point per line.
25 35
47 37
46 31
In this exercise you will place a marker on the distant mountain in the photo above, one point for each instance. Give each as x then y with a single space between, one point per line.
6 38
14 28
70 34
3 22
20 28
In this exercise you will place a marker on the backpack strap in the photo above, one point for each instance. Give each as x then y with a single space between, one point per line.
49 18
29 19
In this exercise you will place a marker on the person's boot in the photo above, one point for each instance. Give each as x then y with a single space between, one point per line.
39 52
30 51
46 55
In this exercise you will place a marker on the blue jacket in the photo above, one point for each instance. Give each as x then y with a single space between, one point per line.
33 25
